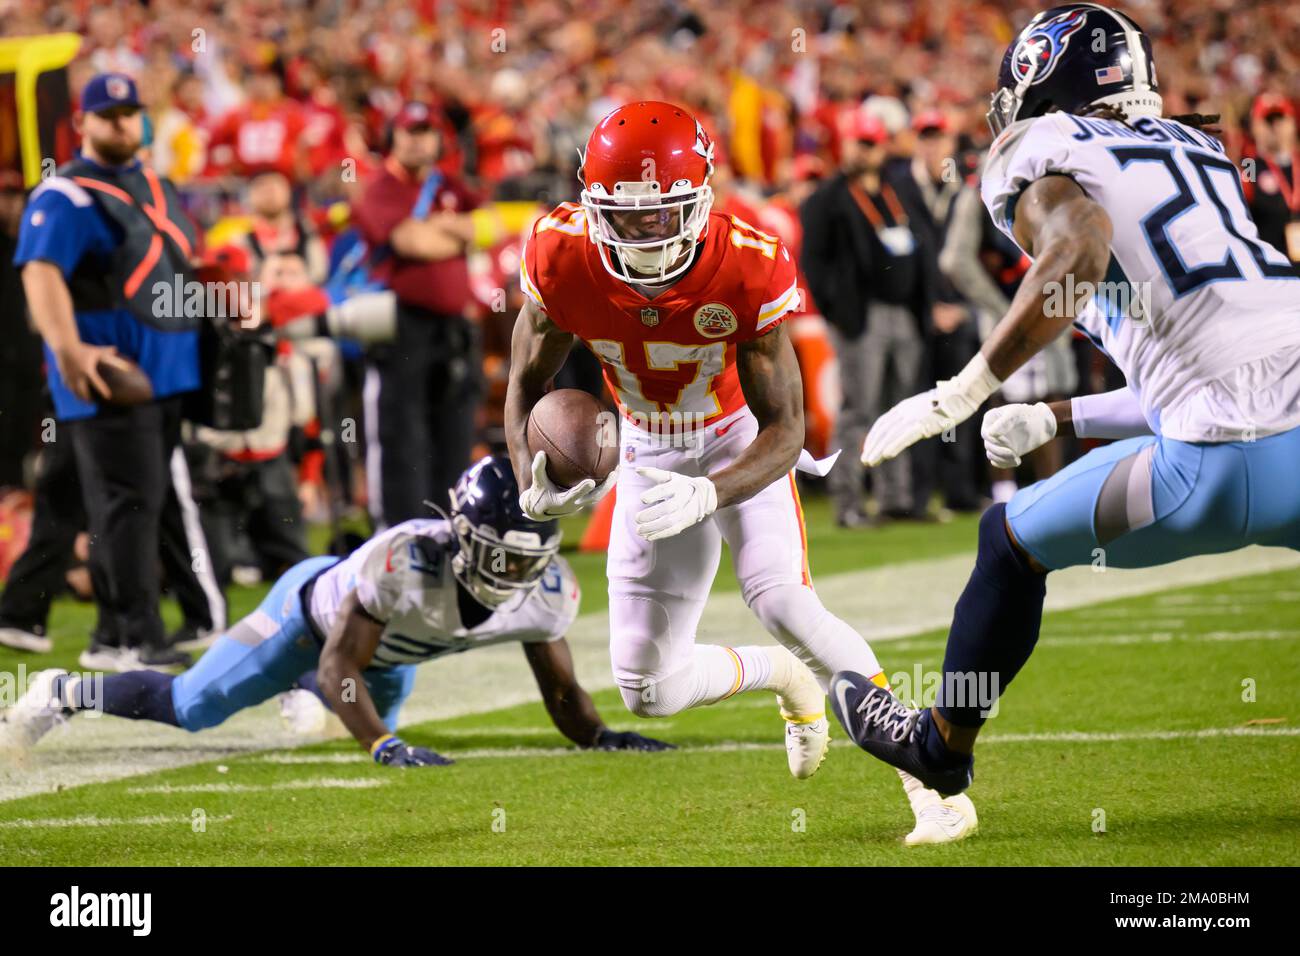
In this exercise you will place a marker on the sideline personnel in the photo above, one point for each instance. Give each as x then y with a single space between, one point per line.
94 240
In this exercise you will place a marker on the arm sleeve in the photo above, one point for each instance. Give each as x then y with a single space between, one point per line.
1116 414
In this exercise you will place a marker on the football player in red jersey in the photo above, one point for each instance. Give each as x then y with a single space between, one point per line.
684 308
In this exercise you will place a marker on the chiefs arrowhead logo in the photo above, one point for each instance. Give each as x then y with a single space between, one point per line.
715 320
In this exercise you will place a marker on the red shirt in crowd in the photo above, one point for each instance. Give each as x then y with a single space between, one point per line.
257 138
437 286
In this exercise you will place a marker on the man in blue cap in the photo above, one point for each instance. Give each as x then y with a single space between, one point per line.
95 242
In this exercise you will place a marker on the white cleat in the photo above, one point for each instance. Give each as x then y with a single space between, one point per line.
104 657
806 745
21 640
303 714
945 820
35 714
803 706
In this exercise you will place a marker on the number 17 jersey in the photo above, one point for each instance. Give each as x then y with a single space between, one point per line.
1200 314
673 354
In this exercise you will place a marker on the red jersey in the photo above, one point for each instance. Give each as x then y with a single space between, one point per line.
257 138
676 352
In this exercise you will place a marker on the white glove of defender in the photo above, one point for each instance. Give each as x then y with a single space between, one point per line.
1015 430
542 500
677 502
923 416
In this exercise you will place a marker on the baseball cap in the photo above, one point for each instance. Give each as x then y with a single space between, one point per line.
807 167
867 126
107 90
930 120
414 115
1270 104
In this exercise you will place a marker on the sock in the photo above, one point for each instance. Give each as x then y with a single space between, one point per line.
798 693
936 751
796 617
994 626
715 673
136 695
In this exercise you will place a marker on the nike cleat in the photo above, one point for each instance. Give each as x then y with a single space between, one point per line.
945 820
803 706
35 713
31 639
890 731
806 745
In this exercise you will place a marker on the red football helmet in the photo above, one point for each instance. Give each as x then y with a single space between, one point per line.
645 188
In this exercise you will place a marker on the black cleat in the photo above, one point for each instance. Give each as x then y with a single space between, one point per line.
894 733
160 658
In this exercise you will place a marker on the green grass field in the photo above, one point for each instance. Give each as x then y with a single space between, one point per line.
1159 729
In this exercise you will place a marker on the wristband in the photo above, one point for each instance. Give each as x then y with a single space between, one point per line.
382 744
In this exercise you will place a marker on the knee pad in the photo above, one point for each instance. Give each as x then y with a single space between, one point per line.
642 644
658 698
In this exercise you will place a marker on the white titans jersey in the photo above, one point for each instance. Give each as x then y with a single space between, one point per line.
403 577
1218 356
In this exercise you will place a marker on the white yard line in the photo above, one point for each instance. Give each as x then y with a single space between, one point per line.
93 821
316 783
736 746
885 604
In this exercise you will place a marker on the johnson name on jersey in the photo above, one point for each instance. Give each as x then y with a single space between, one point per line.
673 356
1210 340
403 577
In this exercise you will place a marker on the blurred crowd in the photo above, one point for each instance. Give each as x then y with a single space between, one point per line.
522 83
281 121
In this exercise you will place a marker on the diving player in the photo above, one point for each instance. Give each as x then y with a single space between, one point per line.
352 631
685 308
1095 186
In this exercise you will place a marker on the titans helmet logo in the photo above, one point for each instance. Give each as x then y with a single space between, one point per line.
1043 43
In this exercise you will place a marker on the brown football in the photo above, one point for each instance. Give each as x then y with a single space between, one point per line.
126 386
578 434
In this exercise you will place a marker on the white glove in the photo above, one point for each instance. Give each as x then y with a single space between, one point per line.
1015 430
923 416
542 500
677 502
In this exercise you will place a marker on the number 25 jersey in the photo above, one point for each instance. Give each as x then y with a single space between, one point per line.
674 353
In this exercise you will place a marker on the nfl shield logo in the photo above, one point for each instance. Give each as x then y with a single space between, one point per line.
650 316
117 87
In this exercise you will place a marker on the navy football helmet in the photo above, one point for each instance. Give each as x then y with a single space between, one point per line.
1073 57
502 551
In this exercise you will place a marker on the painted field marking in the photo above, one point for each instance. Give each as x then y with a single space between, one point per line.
316 783
881 603
738 746
93 821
